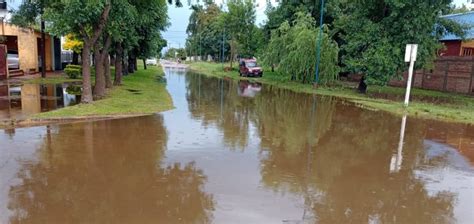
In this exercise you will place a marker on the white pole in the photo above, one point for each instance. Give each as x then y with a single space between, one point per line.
410 77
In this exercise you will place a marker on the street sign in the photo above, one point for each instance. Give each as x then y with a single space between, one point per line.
410 56
410 52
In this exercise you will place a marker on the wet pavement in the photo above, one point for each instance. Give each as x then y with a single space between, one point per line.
239 152
17 101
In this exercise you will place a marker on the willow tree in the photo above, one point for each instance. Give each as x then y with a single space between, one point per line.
293 49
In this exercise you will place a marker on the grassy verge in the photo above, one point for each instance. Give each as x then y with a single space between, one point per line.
50 80
424 104
140 94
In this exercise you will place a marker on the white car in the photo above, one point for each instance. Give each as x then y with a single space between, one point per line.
151 61
13 60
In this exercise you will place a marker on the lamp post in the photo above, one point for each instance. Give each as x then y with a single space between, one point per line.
318 45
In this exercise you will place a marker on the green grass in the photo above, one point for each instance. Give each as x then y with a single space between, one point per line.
148 96
51 80
425 103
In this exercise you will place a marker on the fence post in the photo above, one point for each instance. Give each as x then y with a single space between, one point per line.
446 76
423 79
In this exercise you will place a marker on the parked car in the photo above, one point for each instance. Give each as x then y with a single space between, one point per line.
151 61
249 67
13 60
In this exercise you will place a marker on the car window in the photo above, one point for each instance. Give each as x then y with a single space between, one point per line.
251 64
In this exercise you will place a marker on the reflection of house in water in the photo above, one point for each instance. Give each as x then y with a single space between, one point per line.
462 139
30 99
20 101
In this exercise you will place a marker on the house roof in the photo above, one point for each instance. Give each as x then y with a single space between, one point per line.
463 19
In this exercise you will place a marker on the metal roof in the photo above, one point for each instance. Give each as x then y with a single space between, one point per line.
464 19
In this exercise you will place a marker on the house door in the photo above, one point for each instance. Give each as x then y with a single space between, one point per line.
3 62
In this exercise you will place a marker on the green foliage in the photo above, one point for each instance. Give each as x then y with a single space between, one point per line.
205 30
172 53
209 28
293 48
375 33
73 71
240 24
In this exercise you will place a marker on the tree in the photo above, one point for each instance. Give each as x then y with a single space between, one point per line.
293 48
88 23
172 53
239 23
375 34
205 30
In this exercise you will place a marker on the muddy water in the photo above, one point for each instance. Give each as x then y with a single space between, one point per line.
21 100
240 153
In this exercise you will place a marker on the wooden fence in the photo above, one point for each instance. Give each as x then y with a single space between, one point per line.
449 74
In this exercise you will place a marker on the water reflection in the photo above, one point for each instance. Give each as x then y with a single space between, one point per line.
337 157
108 172
248 89
276 157
19 101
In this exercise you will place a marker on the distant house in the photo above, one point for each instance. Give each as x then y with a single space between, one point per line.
454 45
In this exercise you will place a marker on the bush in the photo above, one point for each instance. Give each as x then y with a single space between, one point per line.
73 71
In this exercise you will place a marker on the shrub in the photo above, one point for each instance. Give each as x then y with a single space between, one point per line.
73 71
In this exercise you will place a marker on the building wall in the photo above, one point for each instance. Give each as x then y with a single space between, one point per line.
452 48
28 47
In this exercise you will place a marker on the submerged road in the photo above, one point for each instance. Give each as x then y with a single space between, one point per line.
240 152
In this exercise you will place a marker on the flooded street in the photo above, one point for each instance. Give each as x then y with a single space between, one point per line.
239 152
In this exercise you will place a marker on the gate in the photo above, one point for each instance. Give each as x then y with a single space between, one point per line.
3 62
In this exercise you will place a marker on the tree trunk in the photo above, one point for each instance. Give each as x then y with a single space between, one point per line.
86 74
99 88
118 65
144 63
132 60
124 65
75 58
89 41
108 78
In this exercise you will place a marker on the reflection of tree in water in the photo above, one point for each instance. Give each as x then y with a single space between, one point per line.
109 172
284 118
346 178
216 101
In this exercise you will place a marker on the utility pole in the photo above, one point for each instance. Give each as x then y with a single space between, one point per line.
43 41
318 46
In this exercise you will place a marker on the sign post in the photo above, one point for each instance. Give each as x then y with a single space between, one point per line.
410 56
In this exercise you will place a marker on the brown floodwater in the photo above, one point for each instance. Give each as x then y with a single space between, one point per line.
239 152
17 101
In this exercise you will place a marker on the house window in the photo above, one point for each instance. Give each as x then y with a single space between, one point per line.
467 51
